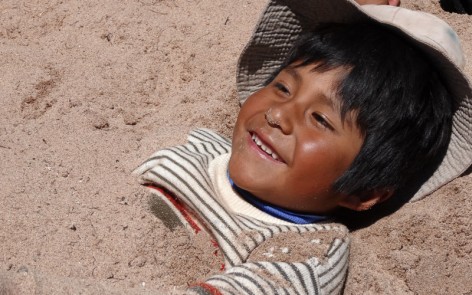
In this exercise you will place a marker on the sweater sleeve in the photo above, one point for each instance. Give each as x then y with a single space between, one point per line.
285 272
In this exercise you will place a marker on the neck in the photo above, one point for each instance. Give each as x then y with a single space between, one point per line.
276 211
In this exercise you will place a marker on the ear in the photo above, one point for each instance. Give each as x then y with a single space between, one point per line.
365 200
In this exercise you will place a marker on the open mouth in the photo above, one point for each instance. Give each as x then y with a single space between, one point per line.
265 148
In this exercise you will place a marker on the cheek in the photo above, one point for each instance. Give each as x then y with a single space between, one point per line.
323 159
257 102
238 146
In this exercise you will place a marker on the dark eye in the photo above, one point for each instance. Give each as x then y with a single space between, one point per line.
321 121
282 88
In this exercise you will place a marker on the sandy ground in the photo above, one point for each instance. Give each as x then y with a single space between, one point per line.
89 89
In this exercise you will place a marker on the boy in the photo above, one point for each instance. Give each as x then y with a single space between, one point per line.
343 120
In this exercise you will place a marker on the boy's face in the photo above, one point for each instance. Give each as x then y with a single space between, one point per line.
290 144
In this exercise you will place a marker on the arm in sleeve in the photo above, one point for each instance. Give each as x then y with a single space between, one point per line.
314 275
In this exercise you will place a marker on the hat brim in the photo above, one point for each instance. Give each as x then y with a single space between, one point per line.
282 23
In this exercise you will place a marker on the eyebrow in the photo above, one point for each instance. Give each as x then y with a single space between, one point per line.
294 73
326 99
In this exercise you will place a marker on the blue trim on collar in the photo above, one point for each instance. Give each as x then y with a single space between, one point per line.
276 211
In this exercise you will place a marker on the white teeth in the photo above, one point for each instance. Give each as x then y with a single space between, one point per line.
264 147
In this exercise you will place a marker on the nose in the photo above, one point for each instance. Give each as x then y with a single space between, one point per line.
281 116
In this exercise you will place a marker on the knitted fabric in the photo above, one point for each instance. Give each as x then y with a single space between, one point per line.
263 255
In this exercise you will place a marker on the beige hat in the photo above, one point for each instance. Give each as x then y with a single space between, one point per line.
283 21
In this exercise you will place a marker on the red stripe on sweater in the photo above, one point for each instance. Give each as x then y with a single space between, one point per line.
213 290
181 207
188 217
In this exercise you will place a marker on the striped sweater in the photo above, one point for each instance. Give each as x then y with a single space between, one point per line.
263 255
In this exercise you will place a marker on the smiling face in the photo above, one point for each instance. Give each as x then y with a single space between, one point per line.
290 143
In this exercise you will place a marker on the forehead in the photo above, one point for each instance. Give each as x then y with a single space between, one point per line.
334 73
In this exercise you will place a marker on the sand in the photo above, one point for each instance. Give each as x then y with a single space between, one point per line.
89 89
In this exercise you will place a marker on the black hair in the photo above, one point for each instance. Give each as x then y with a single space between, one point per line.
398 99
